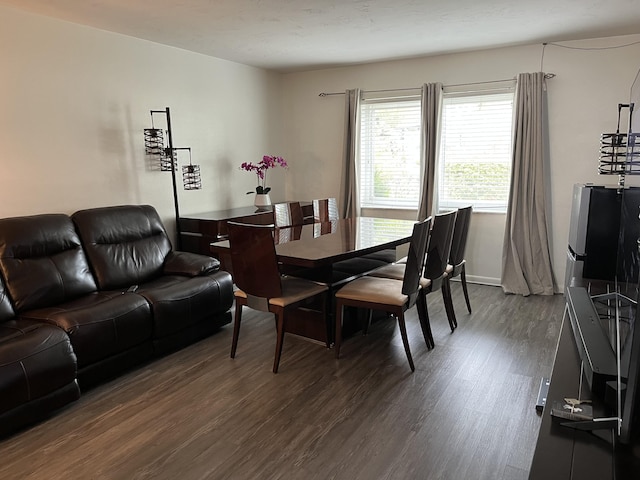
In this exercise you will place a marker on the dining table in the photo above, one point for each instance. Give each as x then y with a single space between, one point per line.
333 253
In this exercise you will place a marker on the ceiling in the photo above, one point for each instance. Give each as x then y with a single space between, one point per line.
291 35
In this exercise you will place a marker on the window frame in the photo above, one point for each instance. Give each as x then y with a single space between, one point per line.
368 200
485 206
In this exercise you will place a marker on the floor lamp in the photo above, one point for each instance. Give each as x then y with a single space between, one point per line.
618 151
167 154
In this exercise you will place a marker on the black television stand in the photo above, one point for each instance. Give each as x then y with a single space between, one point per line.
567 453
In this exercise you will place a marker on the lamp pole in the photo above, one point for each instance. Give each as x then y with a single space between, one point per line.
173 175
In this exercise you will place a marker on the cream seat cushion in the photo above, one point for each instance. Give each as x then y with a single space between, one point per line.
386 291
293 290
396 272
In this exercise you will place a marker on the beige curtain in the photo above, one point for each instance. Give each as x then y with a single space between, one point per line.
431 113
526 263
350 192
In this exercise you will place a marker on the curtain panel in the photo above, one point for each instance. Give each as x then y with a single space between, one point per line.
430 121
350 190
526 261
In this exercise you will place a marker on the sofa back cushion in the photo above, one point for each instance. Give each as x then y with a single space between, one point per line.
126 245
42 261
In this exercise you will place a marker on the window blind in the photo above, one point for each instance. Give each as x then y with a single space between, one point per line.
390 152
475 151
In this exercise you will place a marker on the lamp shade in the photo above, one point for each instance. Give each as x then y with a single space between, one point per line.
191 177
153 141
619 154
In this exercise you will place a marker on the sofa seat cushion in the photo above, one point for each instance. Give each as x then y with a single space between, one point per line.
100 324
36 359
179 302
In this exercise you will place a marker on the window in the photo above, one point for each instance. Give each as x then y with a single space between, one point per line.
475 151
374 230
390 152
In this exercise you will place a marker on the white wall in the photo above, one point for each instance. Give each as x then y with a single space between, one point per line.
74 102
582 103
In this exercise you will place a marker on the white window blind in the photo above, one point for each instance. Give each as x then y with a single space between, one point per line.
372 230
475 151
390 152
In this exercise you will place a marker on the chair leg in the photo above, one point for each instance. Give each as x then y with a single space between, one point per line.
236 329
338 339
279 340
405 340
326 308
463 279
425 324
367 322
448 303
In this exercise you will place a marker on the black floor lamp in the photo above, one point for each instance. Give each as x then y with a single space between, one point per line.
167 155
618 151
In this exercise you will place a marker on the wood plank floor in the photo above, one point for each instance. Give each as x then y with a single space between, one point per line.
466 413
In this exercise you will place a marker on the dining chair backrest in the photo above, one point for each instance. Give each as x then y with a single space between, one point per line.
253 259
287 234
439 245
288 214
460 234
324 228
325 210
416 257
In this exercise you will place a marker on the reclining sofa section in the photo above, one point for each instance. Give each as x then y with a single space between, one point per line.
37 369
105 285
128 249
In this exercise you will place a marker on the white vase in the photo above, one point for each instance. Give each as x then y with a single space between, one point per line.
262 200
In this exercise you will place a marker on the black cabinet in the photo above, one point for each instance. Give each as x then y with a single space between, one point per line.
563 453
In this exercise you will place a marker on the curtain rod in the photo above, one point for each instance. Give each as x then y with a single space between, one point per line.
324 94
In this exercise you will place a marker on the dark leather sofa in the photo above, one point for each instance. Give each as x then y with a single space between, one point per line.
37 369
86 297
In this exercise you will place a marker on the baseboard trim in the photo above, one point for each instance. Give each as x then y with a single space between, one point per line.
494 282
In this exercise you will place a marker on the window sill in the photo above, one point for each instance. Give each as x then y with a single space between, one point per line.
389 212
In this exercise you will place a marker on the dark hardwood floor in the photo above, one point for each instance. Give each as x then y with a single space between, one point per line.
468 411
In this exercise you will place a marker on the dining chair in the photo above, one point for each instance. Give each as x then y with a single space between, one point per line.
287 234
287 214
457 262
260 285
386 294
435 267
325 210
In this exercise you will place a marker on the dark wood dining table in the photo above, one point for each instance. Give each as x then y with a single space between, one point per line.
322 245
317 250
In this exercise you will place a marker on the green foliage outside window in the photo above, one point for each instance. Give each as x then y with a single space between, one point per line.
476 181
381 184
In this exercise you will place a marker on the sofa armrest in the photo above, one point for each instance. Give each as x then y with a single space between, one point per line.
189 264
